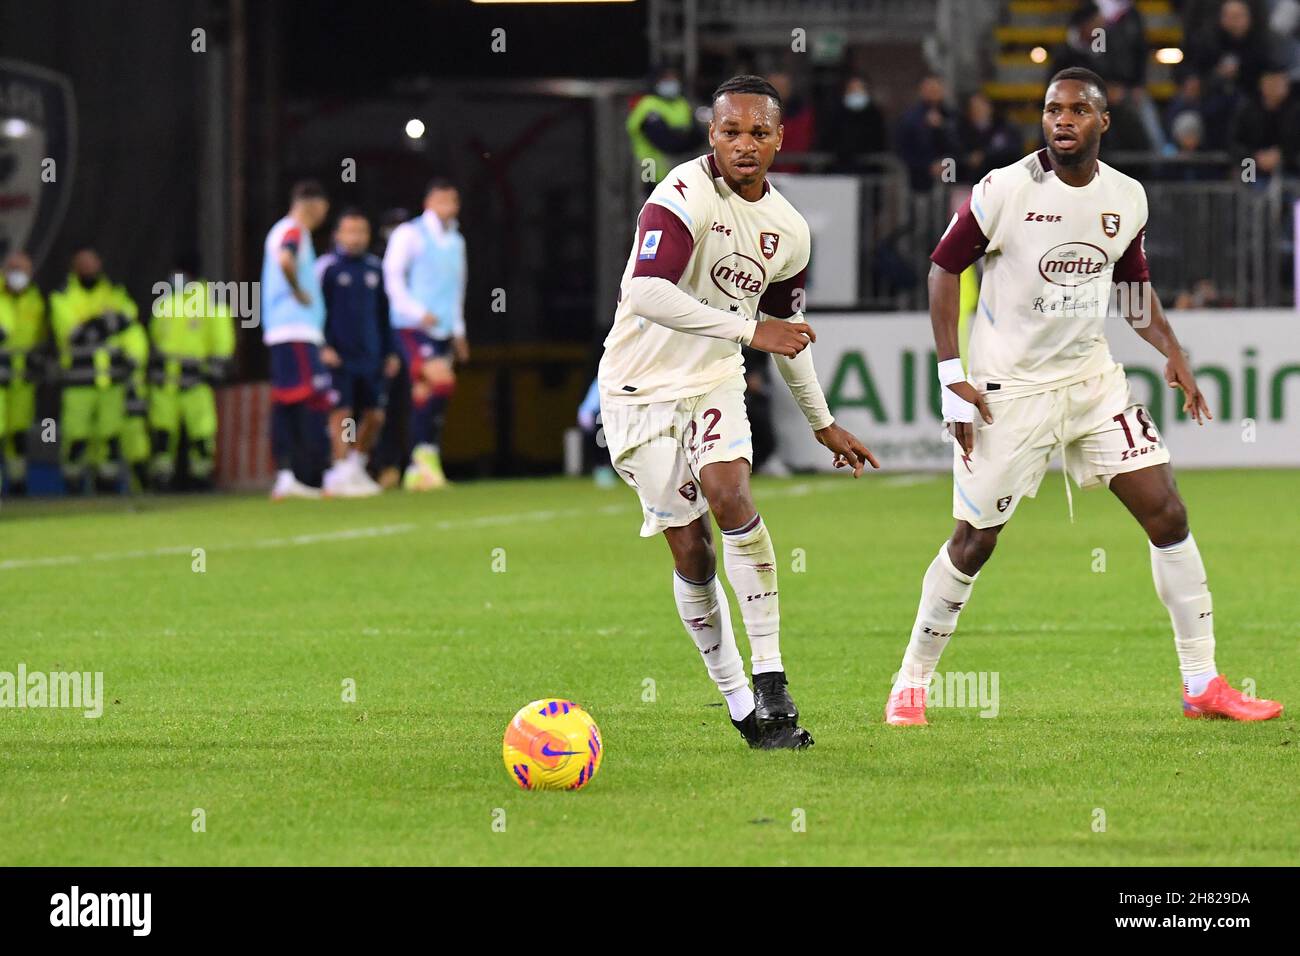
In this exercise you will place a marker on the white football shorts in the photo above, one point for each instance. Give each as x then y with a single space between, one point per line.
659 449
1100 430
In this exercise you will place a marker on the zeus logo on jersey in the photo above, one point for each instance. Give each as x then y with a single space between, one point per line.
650 244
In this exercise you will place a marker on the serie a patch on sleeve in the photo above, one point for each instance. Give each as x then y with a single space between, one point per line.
650 244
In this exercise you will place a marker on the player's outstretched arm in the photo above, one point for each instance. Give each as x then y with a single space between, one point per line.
961 399
663 303
800 377
1147 316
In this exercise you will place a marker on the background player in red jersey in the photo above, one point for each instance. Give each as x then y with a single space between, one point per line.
1057 228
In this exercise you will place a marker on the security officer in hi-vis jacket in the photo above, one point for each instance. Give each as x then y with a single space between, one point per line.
23 330
193 336
98 339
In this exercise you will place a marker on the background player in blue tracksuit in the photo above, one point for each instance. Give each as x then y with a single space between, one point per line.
360 351
424 275
293 322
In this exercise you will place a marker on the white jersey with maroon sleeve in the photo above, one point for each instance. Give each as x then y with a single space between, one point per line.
1052 253
726 252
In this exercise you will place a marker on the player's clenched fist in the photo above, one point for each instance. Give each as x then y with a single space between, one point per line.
783 338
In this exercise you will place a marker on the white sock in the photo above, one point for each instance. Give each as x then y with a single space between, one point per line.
1180 580
707 619
944 591
750 560
740 703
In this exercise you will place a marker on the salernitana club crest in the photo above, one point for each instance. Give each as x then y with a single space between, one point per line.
37 150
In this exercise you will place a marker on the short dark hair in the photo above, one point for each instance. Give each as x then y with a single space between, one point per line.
437 183
353 212
748 83
1083 75
307 189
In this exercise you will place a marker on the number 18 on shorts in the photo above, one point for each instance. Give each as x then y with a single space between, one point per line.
1095 423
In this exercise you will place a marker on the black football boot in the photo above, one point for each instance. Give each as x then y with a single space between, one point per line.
773 705
776 737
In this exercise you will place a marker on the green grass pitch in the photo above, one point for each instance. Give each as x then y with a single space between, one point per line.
224 688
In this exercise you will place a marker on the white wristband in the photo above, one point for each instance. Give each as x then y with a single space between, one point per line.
950 371
955 408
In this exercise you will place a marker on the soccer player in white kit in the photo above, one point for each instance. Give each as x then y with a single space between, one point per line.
1058 229
718 262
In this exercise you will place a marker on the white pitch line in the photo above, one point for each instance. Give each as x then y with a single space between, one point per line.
447 524
298 540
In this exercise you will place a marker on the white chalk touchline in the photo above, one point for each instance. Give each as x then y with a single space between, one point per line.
446 524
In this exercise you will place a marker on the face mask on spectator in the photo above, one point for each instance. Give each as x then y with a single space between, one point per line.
17 280
668 89
856 101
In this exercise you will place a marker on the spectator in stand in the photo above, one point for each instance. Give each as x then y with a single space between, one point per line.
857 128
1124 61
1186 142
1127 134
1080 36
988 141
1284 21
1187 99
1230 54
1187 133
799 122
1198 14
1267 127
927 135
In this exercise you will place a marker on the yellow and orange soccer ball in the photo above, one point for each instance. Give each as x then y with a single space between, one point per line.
552 744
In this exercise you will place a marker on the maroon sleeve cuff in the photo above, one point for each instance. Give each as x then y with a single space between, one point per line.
785 297
962 244
665 254
1132 265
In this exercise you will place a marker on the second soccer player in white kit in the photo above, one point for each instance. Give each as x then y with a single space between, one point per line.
1059 230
